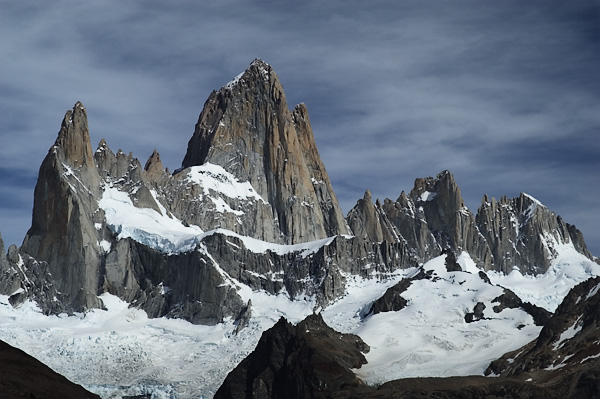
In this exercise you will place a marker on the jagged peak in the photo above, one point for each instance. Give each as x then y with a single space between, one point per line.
257 68
530 198
73 141
259 63
103 147
430 184
154 167
153 160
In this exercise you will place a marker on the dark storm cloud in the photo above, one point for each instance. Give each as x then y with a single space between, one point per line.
504 94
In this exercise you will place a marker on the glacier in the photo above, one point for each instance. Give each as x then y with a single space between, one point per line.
120 351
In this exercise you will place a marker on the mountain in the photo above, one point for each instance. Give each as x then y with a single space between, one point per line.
247 128
523 233
103 223
249 230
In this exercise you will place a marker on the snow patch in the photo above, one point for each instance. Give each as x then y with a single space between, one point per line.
222 207
427 196
260 247
593 292
590 357
145 225
547 290
232 83
105 246
568 333
215 178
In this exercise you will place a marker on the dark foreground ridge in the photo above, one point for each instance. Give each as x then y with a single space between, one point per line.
309 360
22 376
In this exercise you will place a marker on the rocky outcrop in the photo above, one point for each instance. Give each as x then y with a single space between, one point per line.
188 286
470 387
309 360
369 222
319 271
450 222
24 278
569 340
432 218
247 128
25 377
392 300
510 300
523 233
154 168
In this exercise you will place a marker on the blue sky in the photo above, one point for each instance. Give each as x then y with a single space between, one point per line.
506 95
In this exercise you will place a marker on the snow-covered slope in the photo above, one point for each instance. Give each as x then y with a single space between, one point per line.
121 351
547 290
430 336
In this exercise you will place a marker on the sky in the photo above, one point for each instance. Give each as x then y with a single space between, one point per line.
504 94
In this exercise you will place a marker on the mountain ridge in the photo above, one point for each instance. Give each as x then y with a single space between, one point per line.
251 214
277 191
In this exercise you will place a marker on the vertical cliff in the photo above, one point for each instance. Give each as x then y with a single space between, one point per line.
63 231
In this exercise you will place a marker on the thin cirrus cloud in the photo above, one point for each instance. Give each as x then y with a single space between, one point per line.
503 94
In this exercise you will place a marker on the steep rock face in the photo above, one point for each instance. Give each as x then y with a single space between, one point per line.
367 221
9 282
188 286
310 360
523 233
320 272
24 278
63 233
247 128
451 223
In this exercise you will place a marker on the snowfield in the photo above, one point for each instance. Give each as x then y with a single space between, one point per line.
145 225
121 351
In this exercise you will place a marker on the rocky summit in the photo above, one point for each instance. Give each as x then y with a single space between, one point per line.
249 229
247 128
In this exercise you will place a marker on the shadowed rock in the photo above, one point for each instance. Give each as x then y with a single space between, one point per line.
25 377
309 360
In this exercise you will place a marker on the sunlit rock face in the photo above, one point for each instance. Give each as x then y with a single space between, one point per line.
247 128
